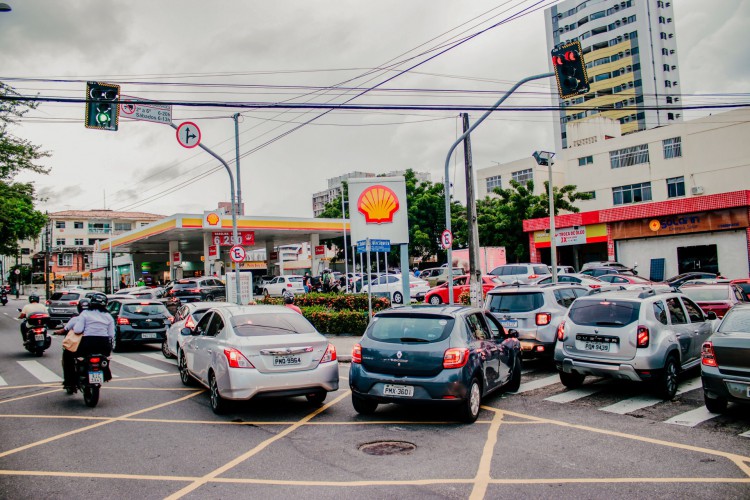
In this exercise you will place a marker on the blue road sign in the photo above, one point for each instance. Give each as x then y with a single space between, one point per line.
375 246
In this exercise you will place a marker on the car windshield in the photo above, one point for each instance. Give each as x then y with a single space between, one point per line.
65 296
259 325
515 302
736 320
182 284
145 309
700 293
421 328
604 312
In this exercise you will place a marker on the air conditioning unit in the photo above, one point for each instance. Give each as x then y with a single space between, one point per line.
696 190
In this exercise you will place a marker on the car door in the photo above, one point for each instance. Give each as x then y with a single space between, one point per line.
700 327
191 344
205 346
483 346
504 346
680 326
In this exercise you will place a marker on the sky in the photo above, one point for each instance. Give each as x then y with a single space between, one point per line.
265 52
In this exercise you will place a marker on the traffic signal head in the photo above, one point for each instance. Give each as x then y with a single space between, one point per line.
102 109
570 70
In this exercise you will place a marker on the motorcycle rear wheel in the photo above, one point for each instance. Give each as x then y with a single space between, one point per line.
91 395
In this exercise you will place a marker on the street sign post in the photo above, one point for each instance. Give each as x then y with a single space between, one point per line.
188 135
237 253
132 107
375 246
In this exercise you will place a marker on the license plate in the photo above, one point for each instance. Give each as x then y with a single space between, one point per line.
509 323
286 360
405 391
526 346
96 377
39 337
148 335
57 310
596 346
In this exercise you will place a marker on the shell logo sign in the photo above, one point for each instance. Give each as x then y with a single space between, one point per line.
211 219
378 204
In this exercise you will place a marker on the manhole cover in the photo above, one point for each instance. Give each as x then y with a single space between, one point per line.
380 448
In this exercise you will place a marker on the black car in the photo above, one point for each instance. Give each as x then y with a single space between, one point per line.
601 271
205 289
677 281
139 321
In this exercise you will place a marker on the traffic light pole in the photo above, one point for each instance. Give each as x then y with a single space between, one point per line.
447 170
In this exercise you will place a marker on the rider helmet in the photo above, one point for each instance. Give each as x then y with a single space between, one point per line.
33 298
83 304
98 301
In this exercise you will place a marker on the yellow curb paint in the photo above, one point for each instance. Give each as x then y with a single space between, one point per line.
482 478
30 396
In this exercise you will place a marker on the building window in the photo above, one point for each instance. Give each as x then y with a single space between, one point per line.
60 242
86 261
523 176
123 226
92 241
675 187
99 227
78 225
493 182
672 147
59 224
632 193
629 156
65 259
586 160
79 241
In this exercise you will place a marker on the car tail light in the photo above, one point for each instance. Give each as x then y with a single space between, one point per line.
195 290
73 303
708 358
455 357
543 319
595 286
330 354
123 321
561 332
357 353
289 285
533 276
46 302
236 359
189 323
642 337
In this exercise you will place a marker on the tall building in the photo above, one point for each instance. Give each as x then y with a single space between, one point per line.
630 50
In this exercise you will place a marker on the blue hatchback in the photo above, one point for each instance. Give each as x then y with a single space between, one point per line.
452 355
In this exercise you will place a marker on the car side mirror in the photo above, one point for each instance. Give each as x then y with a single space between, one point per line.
711 315
512 333
186 331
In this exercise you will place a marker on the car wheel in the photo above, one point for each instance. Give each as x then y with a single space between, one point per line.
515 379
666 382
435 300
219 405
165 350
470 408
265 293
363 406
398 298
715 405
572 380
185 376
209 298
316 398
117 343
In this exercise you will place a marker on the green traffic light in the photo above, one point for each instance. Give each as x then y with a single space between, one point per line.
102 118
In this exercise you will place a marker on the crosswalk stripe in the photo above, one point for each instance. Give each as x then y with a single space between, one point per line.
2 381
692 418
159 357
745 434
40 371
136 365
538 384
574 394
641 402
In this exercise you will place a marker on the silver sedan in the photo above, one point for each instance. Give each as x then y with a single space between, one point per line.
246 352
186 316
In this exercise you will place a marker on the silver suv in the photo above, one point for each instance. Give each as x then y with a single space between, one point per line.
534 311
521 273
645 335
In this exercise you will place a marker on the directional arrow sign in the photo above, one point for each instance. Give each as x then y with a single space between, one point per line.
188 135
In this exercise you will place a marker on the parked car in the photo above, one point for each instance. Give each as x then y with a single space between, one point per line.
575 278
206 289
678 280
439 275
725 361
439 294
63 304
279 284
604 271
522 273
565 270
604 263
744 284
260 282
360 283
186 316
446 355
534 311
718 298
391 285
635 335
624 279
139 322
246 352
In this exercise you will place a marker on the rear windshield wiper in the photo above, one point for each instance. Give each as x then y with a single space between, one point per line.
412 339
609 323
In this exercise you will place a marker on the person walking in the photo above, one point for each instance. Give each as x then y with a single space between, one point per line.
306 282
122 283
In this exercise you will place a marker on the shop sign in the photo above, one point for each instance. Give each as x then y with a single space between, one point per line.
680 224
320 250
576 235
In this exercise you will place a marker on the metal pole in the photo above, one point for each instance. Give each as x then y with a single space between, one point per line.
552 242
447 169
47 241
240 210
475 273
369 281
346 250
111 268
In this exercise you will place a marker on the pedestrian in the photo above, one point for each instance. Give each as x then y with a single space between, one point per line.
140 282
416 272
289 302
327 280
122 283
306 282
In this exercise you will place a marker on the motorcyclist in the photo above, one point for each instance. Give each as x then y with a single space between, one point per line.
98 329
3 295
33 307
67 356
289 302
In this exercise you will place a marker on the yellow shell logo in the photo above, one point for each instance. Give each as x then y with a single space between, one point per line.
212 219
378 204
654 225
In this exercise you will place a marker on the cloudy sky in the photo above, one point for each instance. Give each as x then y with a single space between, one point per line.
263 52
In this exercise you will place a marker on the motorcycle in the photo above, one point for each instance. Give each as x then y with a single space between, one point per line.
3 298
37 337
89 377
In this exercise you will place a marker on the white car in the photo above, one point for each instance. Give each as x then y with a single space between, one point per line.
392 285
188 316
280 283
240 352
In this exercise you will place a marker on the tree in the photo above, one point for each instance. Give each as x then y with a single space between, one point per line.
500 219
18 218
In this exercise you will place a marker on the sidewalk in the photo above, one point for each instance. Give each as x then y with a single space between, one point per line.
344 345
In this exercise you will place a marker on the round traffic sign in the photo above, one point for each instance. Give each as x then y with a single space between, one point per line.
446 239
17 271
128 108
237 253
188 135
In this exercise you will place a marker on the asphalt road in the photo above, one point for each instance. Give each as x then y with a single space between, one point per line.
151 437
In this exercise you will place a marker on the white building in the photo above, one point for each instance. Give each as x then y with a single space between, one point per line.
523 170
630 50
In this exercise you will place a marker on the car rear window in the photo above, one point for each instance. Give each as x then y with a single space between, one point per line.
259 325
736 321
603 312
65 296
145 309
181 285
541 270
407 328
295 279
515 302
704 294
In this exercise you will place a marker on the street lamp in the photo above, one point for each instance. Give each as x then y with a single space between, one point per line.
545 158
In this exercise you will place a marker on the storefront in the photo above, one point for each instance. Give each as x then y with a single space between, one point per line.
575 245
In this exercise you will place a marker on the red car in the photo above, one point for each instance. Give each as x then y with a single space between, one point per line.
439 294
718 298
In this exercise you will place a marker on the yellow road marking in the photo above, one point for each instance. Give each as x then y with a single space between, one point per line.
114 380
482 478
30 396
229 465
8 387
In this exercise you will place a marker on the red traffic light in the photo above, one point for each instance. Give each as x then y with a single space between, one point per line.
570 56
557 60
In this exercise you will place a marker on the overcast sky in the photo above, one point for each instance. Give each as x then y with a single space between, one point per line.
276 51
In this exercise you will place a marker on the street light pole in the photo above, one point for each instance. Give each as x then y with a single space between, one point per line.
346 251
545 158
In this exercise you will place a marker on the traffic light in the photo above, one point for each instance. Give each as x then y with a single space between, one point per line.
570 70
102 109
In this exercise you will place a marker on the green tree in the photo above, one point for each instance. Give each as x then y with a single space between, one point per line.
18 218
500 219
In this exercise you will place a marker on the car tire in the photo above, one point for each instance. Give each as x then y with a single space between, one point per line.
515 379
165 350
469 410
715 405
185 376
364 406
209 298
572 380
398 298
219 405
117 343
665 384
316 398
435 300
